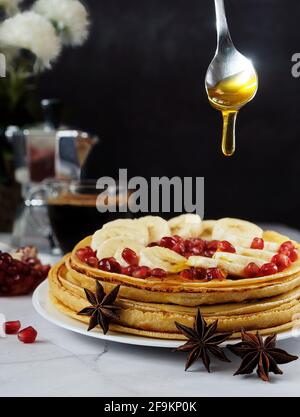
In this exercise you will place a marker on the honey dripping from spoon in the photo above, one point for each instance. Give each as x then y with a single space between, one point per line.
228 96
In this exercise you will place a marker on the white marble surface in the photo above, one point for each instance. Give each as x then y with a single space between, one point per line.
62 363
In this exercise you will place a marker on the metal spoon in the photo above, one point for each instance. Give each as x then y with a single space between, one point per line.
231 80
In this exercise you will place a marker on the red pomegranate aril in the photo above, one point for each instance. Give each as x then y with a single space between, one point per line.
251 270
130 256
286 246
257 243
268 269
168 242
27 335
84 253
282 261
293 255
209 253
225 246
12 327
141 272
127 270
179 248
187 274
92 261
213 245
158 272
214 273
109 265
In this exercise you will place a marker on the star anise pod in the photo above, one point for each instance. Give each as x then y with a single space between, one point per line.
256 352
102 309
202 341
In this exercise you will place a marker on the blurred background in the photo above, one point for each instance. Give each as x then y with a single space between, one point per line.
137 83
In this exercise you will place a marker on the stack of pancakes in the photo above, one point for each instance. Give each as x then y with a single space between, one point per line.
151 306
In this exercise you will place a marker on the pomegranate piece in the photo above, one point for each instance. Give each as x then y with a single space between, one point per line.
127 270
293 255
214 273
282 261
130 257
179 247
225 246
27 335
158 272
213 245
168 242
92 261
84 253
141 272
257 243
20 277
193 274
251 270
268 269
109 265
12 327
286 246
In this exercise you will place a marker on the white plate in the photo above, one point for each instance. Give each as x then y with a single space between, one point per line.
45 308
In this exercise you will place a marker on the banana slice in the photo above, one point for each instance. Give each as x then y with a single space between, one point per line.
234 263
255 253
224 228
114 247
157 257
246 243
157 227
207 228
132 231
186 225
202 262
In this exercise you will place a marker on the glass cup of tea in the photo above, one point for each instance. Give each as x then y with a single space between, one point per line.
74 208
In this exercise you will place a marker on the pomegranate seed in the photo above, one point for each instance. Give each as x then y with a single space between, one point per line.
179 248
168 242
257 243
213 245
141 272
128 270
84 253
293 255
158 272
225 246
268 269
27 335
193 274
130 256
282 261
92 261
286 246
214 273
12 327
109 265
251 270
209 253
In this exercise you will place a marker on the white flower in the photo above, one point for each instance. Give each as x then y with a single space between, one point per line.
69 17
33 32
10 6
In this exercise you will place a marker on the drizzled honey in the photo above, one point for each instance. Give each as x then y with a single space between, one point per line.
228 96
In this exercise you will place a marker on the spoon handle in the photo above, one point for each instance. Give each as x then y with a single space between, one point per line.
224 38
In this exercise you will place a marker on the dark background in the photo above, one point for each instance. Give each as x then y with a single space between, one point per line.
139 84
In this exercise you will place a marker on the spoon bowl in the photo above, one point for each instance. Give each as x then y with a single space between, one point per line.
231 80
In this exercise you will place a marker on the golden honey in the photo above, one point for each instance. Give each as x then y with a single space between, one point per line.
228 96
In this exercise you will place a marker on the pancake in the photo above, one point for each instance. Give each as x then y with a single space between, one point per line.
159 319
